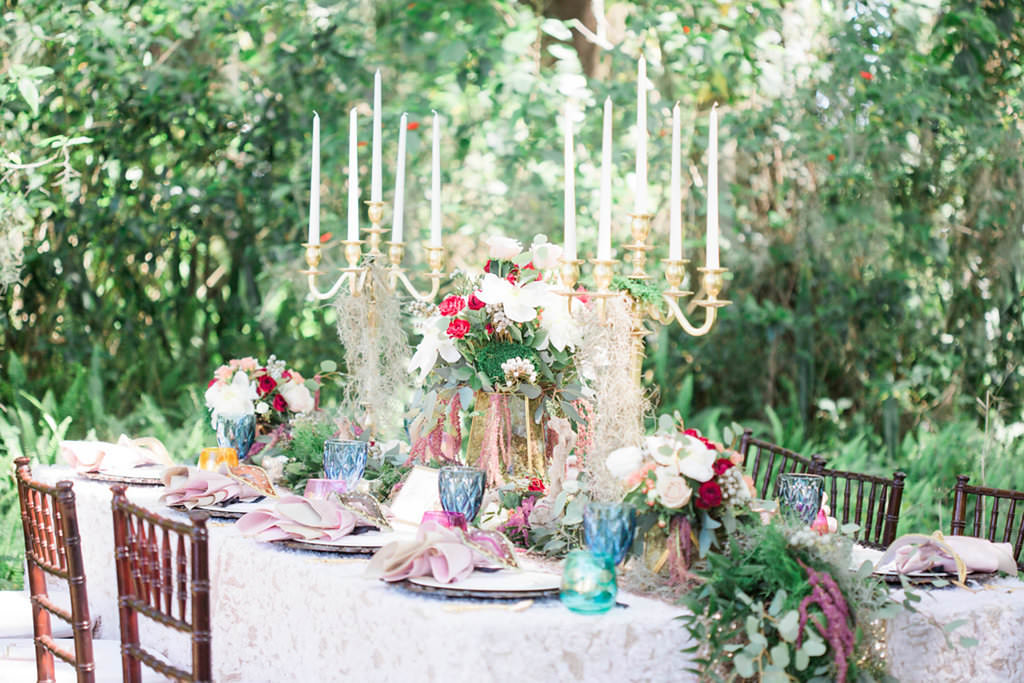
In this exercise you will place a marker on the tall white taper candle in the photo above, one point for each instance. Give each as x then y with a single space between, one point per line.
569 248
397 222
675 224
435 185
712 237
640 196
604 221
375 178
314 185
353 176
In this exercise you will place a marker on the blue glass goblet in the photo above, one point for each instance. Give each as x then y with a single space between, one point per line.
461 489
608 529
345 460
588 582
236 432
800 496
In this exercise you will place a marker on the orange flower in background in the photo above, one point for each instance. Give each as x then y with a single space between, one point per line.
866 75
361 143
831 157
412 125
686 29
326 237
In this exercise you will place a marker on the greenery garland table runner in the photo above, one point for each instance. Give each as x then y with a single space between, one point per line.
281 614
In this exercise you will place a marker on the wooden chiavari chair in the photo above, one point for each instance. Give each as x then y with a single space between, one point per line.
877 514
53 546
971 504
771 460
162 574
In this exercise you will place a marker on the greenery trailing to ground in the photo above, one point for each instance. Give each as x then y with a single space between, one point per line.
154 188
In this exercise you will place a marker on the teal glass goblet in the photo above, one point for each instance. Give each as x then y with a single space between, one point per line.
345 460
608 528
588 582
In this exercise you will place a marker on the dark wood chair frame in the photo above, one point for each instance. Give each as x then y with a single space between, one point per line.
766 481
53 546
878 521
150 571
958 526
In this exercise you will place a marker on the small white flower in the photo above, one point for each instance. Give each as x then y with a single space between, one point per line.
503 248
519 303
519 370
262 408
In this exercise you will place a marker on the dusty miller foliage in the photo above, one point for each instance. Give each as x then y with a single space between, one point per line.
376 352
619 404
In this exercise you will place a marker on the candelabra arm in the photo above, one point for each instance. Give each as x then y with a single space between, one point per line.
435 285
676 314
346 276
712 281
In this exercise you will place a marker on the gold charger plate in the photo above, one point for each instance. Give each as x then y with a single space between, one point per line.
499 585
154 479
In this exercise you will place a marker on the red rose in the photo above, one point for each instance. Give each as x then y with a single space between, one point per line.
709 495
452 305
536 485
704 440
474 303
280 405
721 465
458 328
286 374
513 276
212 382
265 385
487 267
489 328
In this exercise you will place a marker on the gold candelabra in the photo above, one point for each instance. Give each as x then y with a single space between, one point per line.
675 269
356 272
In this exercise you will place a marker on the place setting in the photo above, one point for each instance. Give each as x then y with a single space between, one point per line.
134 462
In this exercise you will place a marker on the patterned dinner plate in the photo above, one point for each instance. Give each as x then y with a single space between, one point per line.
509 584
360 543
231 511
915 578
146 475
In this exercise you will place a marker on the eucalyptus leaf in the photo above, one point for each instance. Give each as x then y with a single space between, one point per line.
574 511
789 626
327 366
773 676
801 659
780 656
531 391
777 602
814 647
744 664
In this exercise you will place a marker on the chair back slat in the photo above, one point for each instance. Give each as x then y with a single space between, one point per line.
870 502
161 565
978 502
53 546
769 461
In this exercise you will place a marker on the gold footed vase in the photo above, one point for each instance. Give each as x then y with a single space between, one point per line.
504 441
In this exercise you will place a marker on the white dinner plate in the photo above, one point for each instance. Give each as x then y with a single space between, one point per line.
146 475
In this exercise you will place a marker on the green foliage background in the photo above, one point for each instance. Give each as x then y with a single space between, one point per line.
155 169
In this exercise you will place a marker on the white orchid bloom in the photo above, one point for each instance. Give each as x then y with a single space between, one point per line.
503 248
436 342
520 303
559 323
662 449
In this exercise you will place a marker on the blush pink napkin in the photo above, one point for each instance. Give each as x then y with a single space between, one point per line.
438 551
192 487
91 456
917 552
300 519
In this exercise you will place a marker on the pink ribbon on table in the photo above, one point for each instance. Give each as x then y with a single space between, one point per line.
192 487
448 554
299 519
91 456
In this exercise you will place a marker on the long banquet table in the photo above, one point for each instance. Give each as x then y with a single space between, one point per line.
282 615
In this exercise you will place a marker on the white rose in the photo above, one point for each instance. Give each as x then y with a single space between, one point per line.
503 248
545 255
297 396
623 462
698 466
232 400
672 490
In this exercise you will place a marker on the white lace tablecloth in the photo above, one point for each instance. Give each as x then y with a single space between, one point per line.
284 615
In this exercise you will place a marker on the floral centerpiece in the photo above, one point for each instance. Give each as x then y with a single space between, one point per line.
245 395
504 341
687 489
